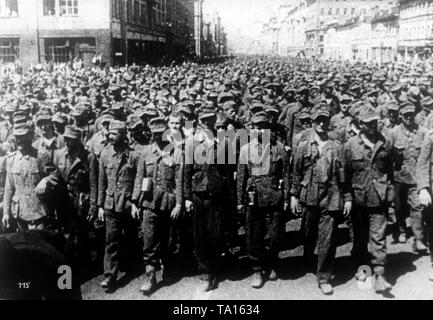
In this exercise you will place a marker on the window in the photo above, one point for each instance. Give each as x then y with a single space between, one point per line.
352 11
345 11
9 50
68 7
330 11
337 11
49 7
129 10
136 11
8 8
115 8
322 11
143 14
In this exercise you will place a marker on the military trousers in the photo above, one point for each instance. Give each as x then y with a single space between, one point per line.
369 228
320 232
158 239
264 223
208 219
407 202
120 241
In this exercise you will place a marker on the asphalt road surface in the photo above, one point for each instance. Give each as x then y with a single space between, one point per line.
406 271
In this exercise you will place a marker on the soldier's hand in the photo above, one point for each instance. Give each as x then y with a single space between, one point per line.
92 214
5 221
425 198
175 213
41 187
101 215
188 206
240 208
135 212
286 206
347 208
294 205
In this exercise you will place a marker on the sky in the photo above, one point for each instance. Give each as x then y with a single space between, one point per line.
238 16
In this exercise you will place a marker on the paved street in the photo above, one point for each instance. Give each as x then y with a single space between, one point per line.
406 271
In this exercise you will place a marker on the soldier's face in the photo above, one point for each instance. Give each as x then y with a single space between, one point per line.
71 144
321 124
370 128
46 127
115 137
175 124
408 118
23 141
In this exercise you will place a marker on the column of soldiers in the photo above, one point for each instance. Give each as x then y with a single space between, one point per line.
132 162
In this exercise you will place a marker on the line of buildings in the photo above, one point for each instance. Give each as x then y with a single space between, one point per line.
368 30
120 31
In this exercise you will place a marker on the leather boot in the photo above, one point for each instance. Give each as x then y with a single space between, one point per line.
380 284
258 280
149 280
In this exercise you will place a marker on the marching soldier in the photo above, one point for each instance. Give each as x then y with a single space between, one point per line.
368 172
158 191
72 164
261 181
425 186
316 185
406 140
206 193
117 170
31 184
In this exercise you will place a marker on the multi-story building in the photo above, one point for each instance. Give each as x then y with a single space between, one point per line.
415 38
121 31
180 26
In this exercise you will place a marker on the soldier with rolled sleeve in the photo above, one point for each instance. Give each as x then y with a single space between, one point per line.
158 191
117 170
368 171
406 140
316 183
262 189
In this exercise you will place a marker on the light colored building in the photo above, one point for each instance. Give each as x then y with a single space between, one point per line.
119 30
416 29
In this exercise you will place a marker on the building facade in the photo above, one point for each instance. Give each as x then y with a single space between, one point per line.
120 31
415 39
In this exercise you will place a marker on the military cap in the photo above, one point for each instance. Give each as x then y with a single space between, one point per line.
392 106
256 107
21 129
304 114
24 108
301 89
427 102
106 117
225 96
10 107
60 118
229 105
133 121
260 117
117 125
117 105
43 117
19 117
185 110
79 110
368 114
346 98
271 109
396 87
407 107
72 132
158 125
321 110
207 113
